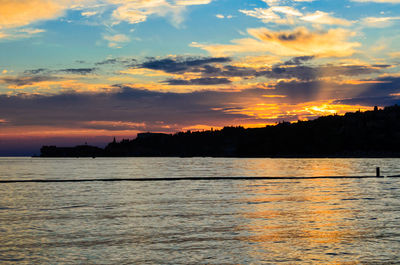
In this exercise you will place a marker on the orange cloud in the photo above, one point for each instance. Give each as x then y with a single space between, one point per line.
302 111
20 13
117 124
299 42
61 85
115 40
52 131
394 54
23 12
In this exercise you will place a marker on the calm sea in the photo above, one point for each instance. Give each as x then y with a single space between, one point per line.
314 221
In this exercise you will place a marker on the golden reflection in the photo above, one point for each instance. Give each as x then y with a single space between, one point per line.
307 214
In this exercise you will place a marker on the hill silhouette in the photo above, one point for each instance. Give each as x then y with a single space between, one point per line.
358 134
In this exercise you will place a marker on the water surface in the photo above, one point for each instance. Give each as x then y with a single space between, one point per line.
328 221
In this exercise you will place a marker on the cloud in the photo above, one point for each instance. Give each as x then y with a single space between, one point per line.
125 110
124 105
24 12
299 60
89 13
45 71
216 70
20 33
276 2
307 73
134 109
80 71
379 22
115 40
114 61
229 71
383 91
37 71
190 73
370 101
297 42
26 80
180 64
114 125
320 17
289 15
137 11
287 10
265 15
31 31
21 13
130 14
198 81
394 54
220 16
192 2
379 1
299 92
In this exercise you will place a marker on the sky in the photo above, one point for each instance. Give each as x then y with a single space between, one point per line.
85 71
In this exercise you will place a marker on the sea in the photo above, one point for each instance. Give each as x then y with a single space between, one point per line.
237 221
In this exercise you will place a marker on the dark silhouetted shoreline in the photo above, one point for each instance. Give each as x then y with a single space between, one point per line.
354 135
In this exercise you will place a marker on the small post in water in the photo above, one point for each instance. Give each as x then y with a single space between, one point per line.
378 172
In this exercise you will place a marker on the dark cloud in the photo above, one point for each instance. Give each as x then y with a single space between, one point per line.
307 73
27 80
80 71
299 72
121 61
284 36
298 60
181 64
217 70
293 68
382 65
44 71
126 105
373 92
135 109
347 70
370 101
198 81
288 70
36 71
290 36
229 71
108 61
380 90
298 92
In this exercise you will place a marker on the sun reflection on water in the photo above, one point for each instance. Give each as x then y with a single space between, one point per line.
310 220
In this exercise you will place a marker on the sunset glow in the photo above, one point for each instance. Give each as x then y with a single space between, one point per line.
83 69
